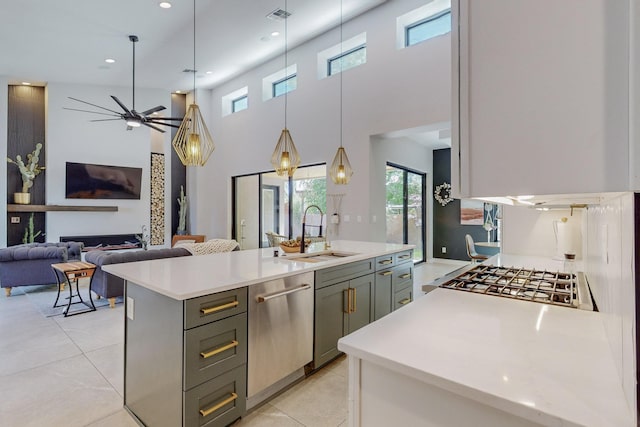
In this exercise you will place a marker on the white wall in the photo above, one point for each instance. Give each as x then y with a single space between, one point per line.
396 89
72 137
3 164
527 231
610 271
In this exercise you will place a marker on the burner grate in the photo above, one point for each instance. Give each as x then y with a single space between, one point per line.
556 288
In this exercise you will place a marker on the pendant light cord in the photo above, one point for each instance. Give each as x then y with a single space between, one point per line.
133 89
341 70
286 17
194 51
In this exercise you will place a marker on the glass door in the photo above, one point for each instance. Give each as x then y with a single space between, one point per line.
406 212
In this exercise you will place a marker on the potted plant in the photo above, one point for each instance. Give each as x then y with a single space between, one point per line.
182 213
28 171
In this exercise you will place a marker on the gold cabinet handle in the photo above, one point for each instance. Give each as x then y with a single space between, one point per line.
405 276
347 310
386 273
208 354
403 256
385 261
217 308
212 409
405 301
355 304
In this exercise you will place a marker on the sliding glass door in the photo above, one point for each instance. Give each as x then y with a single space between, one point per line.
406 213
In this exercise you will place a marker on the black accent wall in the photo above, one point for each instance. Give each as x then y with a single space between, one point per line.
447 230
25 128
178 170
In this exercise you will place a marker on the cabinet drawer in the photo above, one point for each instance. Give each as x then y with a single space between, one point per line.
217 402
404 256
402 277
209 308
385 261
402 298
340 273
213 349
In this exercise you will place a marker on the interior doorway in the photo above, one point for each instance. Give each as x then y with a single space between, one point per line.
406 208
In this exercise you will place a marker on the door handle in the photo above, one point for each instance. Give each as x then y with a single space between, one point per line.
405 301
354 300
212 310
347 299
212 409
386 273
405 276
267 297
208 354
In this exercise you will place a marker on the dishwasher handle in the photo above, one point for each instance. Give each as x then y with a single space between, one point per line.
267 297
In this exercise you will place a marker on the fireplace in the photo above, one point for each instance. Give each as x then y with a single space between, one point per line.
105 242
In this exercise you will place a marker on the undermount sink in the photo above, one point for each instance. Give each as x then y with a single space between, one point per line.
318 256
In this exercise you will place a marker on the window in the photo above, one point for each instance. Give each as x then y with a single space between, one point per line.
433 26
342 56
235 101
285 85
423 23
280 82
240 104
349 59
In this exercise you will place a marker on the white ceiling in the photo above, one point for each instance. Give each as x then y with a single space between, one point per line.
67 41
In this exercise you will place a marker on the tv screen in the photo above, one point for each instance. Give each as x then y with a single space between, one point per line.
88 181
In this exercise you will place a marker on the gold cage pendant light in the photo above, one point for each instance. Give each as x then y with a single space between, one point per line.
285 158
193 143
340 170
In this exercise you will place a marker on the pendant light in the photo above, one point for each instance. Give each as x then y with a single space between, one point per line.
193 142
285 158
340 170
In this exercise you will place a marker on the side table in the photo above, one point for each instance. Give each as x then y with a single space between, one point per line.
74 271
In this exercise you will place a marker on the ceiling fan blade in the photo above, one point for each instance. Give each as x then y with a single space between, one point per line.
166 118
104 120
122 105
153 127
153 110
94 105
94 112
163 124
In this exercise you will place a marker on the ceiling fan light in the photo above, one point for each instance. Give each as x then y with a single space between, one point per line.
133 122
341 171
285 158
193 143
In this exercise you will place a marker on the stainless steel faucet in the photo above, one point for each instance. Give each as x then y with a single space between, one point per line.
304 220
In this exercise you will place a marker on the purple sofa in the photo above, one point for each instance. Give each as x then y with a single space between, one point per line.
109 286
30 264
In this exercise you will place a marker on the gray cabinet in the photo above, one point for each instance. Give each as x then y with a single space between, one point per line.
185 361
393 282
341 307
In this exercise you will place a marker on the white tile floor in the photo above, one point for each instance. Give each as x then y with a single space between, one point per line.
57 371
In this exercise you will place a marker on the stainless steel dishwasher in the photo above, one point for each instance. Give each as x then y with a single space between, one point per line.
280 334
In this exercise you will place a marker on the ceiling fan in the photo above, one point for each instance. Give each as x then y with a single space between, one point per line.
131 116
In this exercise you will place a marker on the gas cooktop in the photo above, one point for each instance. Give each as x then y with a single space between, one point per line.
558 288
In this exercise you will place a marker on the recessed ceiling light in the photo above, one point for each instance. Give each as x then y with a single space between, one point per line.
109 60
275 34
209 72
178 91
26 83
165 4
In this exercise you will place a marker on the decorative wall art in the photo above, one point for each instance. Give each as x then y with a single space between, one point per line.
442 193
157 199
471 212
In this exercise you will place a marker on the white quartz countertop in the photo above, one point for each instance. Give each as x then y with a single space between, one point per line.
548 364
193 276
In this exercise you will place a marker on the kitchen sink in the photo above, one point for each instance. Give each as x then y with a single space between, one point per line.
318 256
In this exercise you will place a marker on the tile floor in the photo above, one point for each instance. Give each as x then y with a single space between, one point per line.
57 371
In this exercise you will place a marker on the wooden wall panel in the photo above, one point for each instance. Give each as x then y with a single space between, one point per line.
25 128
178 170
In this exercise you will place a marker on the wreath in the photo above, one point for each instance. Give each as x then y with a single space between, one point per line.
443 193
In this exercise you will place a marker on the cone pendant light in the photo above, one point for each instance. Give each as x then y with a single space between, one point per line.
193 142
285 158
340 170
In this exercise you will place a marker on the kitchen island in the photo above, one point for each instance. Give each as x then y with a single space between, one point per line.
454 358
190 358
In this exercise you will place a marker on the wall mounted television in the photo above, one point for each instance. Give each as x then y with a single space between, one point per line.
89 181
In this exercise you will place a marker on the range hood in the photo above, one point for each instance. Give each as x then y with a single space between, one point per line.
552 201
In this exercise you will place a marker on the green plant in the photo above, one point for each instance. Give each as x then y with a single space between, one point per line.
29 236
182 212
31 169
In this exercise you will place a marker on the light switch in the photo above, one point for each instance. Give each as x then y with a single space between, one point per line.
444 249
346 218
130 308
